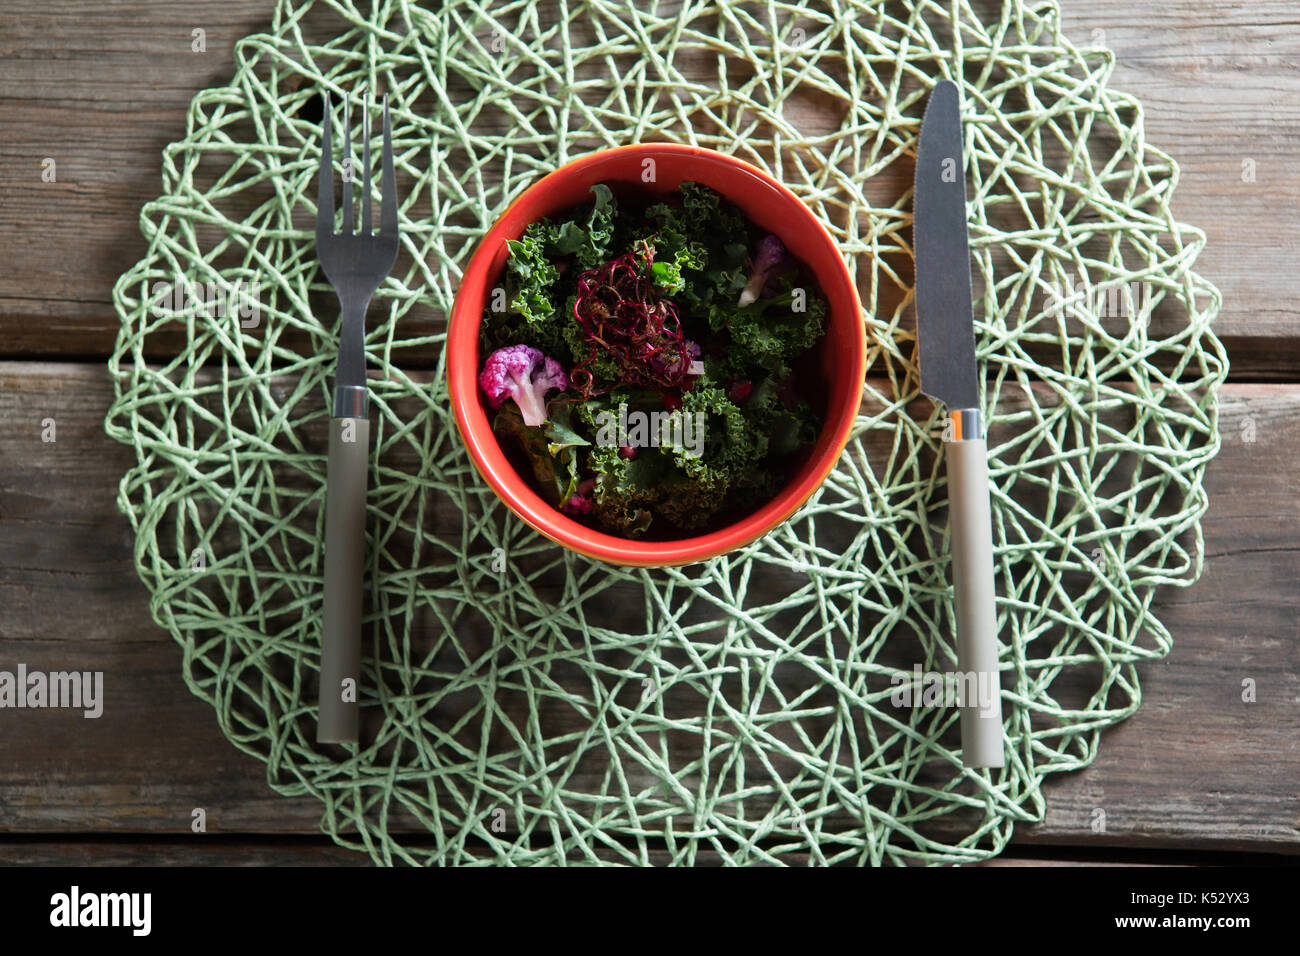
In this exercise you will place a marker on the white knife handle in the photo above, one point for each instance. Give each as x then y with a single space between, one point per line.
973 595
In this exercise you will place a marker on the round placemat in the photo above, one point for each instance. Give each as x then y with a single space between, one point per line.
525 705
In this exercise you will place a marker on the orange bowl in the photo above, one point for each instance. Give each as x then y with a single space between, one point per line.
840 353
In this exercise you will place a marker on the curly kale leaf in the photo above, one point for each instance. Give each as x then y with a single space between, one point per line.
674 250
700 247
531 280
687 481
789 423
587 239
780 326
706 214
535 286
710 274
665 483
599 232
627 489
731 444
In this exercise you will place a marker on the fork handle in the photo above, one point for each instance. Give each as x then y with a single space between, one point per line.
345 550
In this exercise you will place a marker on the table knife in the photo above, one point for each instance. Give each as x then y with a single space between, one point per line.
946 339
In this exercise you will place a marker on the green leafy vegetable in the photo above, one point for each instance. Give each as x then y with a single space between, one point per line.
555 478
595 247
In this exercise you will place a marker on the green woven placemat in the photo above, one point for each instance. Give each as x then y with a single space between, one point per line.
525 705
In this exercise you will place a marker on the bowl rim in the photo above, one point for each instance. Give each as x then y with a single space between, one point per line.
549 521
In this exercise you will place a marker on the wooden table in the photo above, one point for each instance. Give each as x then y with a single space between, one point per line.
1196 775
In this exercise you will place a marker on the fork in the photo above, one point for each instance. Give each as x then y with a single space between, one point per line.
356 265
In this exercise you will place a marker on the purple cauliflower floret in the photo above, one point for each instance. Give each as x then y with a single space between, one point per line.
523 373
770 254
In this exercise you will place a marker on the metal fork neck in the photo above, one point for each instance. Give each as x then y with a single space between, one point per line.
352 354
351 401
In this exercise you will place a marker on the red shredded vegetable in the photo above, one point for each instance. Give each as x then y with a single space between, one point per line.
620 313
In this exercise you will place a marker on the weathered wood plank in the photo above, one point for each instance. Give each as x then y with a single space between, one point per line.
103 89
199 852
100 89
1195 767
196 852
1220 89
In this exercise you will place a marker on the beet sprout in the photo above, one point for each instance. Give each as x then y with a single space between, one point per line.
620 313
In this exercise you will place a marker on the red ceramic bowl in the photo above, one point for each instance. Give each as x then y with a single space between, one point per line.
841 352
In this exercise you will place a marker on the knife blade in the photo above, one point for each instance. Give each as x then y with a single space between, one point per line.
945 329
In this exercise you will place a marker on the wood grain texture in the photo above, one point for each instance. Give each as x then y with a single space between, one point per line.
103 88
197 851
1220 86
1195 767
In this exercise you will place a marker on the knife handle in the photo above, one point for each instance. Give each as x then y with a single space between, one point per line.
973 594
345 551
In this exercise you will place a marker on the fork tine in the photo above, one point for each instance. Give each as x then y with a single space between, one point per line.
349 168
388 182
366 224
325 181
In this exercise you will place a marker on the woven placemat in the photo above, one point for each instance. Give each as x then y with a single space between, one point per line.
525 705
